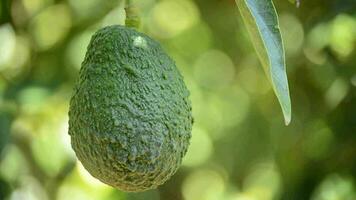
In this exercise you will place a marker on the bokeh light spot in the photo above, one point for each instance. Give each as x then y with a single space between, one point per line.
50 139
335 187
203 185
318 140
252 78
74 193
76 49
32 98
147 195
29 189
353 80
336 93
170 17
116 16
33 6
264 182
16 65
8 44
193 42
293 33
50 26
85 8
200 148
317 39
343 35
214 69
13 164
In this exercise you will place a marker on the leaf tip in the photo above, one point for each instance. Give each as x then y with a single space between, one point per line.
287 119
287 113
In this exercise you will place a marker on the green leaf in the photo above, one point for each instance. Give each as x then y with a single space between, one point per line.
261 20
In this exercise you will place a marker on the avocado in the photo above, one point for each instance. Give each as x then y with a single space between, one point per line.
130 117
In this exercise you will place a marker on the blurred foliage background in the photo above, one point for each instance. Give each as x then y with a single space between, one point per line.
240 149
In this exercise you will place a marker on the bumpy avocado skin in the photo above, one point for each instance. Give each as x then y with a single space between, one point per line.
130 117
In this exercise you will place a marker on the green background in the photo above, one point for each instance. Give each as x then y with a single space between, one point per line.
240 149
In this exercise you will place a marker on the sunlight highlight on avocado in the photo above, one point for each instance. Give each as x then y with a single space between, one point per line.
139 41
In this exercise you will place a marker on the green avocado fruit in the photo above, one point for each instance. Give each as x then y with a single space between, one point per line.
130 117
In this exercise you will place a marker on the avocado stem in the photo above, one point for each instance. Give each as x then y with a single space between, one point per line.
132 15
